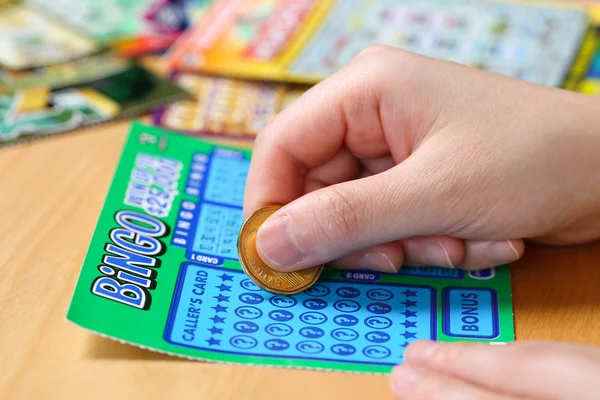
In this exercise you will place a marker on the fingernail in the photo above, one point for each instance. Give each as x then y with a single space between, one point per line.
402 377
377 261
436 255
419 352
277 246
502 252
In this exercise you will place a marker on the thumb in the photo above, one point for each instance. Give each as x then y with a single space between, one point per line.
327 224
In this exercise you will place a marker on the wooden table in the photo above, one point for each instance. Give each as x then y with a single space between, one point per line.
51 193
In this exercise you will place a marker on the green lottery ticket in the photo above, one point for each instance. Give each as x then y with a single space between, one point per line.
162 272
38 111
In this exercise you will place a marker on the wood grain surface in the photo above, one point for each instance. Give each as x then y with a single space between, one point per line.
51 193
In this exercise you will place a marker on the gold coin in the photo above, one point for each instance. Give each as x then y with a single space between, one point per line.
263 275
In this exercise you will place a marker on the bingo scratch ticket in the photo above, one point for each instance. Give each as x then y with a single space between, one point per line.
308 40
224 106
162 272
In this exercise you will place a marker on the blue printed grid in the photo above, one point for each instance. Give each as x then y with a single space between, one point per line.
218 218
224 311
217 230
226 181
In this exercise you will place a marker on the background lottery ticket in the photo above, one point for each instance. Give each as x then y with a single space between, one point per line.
308 40
224 106
162 272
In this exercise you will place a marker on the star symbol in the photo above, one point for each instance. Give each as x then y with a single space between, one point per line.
225 288
409 314
409 303
409 335
213 342
409 324
226 277
404 344
215 331
220 308
409 293
221 298
217 319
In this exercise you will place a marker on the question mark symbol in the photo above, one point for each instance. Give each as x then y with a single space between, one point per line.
372 351
241 340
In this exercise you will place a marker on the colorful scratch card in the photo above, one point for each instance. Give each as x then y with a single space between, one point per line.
223 106
29 39
133 26
590 84
96 66
308 40
38 111
162 272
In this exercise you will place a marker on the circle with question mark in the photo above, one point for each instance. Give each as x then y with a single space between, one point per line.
379 308
248 312
283 301
343 349
345 320
378 322
277 344
376 352
243 342
281 315
346 306
344 334
348 292
380 294
313 318
377 337
310 347
251 298
311 332
279 329
317 291
245 327
315 304
249 285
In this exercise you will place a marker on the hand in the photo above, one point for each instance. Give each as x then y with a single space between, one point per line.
519 370
401 159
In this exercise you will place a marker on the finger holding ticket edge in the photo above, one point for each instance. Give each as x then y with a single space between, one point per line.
391 162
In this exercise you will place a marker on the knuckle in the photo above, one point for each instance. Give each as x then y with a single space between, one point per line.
446 355
378 49
338 216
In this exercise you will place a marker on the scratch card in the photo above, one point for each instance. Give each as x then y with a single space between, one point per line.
590 84
225 107
308 40
132 26
162 272
64 74
37 111
29 39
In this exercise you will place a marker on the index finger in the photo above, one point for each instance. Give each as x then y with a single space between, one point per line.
312 130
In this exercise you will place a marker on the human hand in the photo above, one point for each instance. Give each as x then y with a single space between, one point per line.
519 370
401 159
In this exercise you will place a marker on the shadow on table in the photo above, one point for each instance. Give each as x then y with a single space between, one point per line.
109 349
